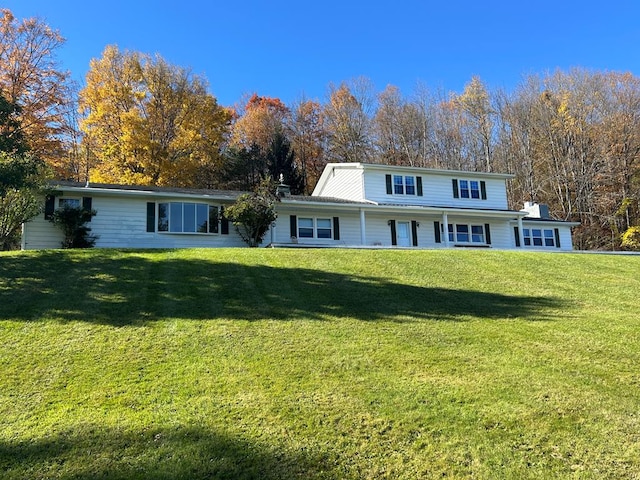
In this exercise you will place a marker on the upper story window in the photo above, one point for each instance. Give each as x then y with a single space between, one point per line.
471 189
185 217
404 185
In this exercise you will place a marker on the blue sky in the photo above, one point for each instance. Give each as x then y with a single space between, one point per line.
287 49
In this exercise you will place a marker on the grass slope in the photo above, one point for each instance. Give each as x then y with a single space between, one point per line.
321 364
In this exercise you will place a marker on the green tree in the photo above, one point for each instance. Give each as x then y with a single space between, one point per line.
281 162
253 213
22 181
11 136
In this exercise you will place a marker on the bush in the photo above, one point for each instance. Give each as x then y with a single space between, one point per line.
631 238
73 222
253 213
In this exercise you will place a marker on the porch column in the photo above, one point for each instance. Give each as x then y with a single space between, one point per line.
520 232
363 235
445 223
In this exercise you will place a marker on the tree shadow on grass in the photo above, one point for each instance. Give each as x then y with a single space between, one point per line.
129 289
169 453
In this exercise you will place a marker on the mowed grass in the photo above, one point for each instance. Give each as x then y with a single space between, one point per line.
319 364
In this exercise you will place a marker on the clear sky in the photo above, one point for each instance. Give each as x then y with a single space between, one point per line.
291 48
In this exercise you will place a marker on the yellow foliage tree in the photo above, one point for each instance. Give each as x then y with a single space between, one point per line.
31 78
150 123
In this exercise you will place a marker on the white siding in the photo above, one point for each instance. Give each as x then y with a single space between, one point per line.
437 190
39 233
121 222
344 183
349 222
564 232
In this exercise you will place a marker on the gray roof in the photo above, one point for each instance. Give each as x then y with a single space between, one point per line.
312 199
148 188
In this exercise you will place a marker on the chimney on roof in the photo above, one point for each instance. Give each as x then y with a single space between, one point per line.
283 190
536 210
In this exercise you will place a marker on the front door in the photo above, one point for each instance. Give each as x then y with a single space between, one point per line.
404 234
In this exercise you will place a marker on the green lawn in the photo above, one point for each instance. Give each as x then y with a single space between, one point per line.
319 364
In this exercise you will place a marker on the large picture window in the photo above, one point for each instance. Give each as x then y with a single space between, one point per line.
186 217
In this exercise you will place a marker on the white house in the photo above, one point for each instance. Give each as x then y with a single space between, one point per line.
353 204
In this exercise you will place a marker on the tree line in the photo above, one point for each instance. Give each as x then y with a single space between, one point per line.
571 138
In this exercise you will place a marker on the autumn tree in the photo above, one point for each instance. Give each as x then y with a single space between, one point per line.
149 122
260 120
31 79
348 122
475 106
259 146
306 129
401 129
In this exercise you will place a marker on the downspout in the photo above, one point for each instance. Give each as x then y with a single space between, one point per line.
363 235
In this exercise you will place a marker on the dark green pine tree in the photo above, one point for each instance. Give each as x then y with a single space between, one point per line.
281 161
11 138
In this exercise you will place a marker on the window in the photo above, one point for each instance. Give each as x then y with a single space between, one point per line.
404 185
462 233
539 237
186 217
69 202
398 185
472 189
305 227
323 227
315 228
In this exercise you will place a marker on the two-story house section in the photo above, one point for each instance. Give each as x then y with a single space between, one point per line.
420 207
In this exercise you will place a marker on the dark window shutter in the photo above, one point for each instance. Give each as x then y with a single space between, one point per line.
516 232
49 206
389 186
224 222
151 217
454 183
419 185
414 232
487 233
557 234
436 231
483 189
336 228
394 240
86 204
293 226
